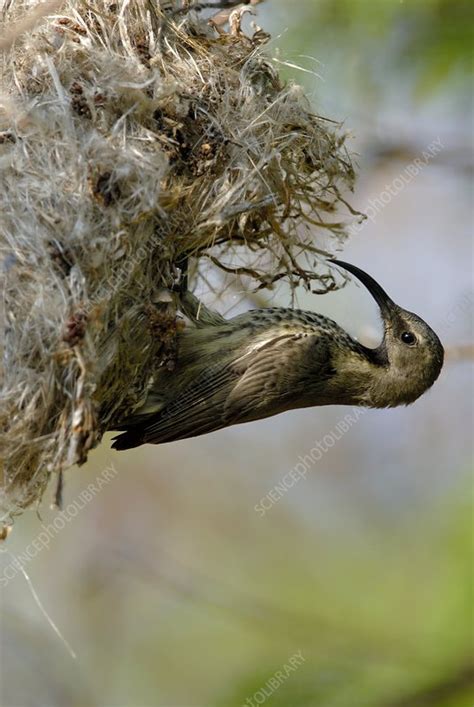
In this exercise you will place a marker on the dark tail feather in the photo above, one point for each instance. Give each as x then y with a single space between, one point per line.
127 440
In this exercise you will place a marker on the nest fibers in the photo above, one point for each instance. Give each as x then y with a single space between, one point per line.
128 139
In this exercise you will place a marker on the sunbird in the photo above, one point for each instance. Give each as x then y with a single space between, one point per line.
267 361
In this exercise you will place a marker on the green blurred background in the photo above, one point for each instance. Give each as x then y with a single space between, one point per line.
170 587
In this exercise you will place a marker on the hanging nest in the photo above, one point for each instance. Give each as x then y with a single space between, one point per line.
128 139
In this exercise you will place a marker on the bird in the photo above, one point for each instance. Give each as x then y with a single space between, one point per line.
267 361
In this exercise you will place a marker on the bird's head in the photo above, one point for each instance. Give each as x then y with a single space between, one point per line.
410 351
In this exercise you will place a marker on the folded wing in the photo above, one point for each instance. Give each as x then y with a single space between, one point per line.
264 381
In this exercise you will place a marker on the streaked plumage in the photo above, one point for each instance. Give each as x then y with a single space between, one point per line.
266 361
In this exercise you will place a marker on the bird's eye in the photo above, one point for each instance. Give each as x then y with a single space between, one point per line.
408 338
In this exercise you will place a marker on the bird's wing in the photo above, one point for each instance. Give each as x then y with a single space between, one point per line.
274 378
195 410
249 387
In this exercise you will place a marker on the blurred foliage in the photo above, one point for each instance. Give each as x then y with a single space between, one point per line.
429 41
379 615
397 633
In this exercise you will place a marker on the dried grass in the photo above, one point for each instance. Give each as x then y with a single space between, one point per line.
126 142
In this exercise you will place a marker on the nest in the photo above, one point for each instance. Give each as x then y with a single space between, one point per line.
129 139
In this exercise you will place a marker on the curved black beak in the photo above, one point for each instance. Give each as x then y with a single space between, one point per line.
387 305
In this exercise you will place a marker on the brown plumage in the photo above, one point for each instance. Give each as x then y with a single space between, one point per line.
266 361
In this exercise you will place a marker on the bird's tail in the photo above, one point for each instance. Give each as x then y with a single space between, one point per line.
127 440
